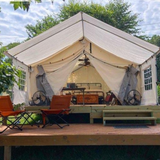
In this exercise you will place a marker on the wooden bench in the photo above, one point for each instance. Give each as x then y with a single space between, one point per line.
112 115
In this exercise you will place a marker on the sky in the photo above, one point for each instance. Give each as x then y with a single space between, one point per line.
13 22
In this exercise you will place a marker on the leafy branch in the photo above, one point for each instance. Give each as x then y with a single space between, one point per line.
25 4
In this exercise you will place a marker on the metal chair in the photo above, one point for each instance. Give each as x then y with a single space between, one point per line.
7 110
58 108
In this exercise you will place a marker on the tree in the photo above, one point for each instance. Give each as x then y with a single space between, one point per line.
122 17
8 72
95 10
22 4
4 49
115 13
25 4
41 26
155 39
7 76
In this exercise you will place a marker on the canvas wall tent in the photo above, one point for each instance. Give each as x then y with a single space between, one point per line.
109 50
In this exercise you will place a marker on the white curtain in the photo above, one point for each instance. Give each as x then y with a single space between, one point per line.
19 96
49 67
111 75
57 78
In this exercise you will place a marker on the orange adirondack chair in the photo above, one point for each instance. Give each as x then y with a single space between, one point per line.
6 110
58 108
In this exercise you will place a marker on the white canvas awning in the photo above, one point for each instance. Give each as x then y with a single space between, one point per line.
65 34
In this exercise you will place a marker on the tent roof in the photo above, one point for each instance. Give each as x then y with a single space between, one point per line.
80 26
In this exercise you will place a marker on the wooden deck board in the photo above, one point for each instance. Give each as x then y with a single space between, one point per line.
86 134
81 134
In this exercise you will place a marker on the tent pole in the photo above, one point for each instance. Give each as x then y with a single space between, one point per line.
82 23
156 82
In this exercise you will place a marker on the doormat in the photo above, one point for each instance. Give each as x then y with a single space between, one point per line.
130 126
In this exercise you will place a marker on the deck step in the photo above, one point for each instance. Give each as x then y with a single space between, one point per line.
129 118
113 115
127 111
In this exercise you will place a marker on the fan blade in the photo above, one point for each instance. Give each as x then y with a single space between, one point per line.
137 102
39 98
131 100
134 97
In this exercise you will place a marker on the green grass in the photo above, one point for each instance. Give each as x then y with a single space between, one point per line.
85 153
36 117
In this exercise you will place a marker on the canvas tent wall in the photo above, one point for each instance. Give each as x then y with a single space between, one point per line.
59 48
149 95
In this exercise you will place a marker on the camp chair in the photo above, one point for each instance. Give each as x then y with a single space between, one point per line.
6 110
58 108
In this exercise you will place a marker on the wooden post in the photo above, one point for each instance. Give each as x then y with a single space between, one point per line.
7 152
91 121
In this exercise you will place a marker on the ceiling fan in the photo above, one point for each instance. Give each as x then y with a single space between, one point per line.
85 60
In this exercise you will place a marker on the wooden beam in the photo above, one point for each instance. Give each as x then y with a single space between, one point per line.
81 134
69 140
96 115
7 152
91 120
98 108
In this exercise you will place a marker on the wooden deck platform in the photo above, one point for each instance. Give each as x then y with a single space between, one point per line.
96 110
82 134
79 134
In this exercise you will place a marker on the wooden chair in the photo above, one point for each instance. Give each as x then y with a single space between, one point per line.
6 110
58 108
